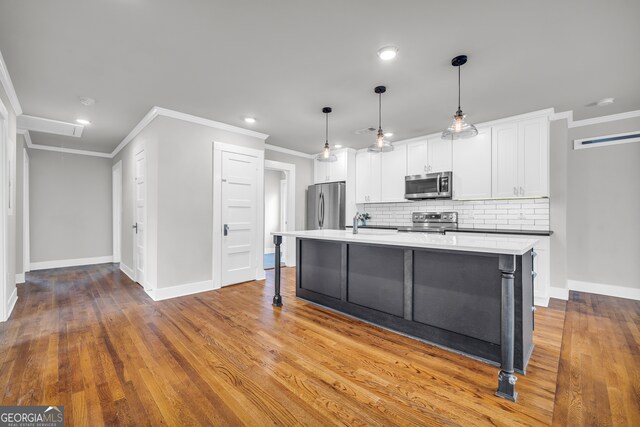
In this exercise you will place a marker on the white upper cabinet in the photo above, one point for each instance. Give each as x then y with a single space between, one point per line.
331 171
417 163
393 169
472 167
520 159
505 161
367 177
533 138
439 155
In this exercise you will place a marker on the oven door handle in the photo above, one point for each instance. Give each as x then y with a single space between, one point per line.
438 183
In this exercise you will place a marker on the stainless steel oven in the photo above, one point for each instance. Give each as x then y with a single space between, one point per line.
428 186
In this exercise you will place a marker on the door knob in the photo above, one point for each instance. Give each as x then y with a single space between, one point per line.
226 229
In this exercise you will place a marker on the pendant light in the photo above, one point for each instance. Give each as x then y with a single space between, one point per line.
459 128
381 145
326 155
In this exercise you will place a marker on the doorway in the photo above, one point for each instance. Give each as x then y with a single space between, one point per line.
279 209
238 193
140 218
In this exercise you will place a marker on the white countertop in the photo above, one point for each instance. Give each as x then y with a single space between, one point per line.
485 244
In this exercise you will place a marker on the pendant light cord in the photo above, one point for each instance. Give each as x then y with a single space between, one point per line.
379 111
326 131
459 88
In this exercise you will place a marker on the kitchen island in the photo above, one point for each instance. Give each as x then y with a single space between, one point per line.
472 295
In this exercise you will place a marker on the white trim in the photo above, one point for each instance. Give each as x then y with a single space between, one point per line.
26 231
160 294
45 265
218 148
148 118
603 289
559 293
13 299
568 115
577 143
7 84
289 169
210 123
27 137
127 270
4 175
116 209
55 127
288 151
70 151
541 301
20 278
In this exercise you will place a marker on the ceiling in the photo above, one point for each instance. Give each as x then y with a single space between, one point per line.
281 61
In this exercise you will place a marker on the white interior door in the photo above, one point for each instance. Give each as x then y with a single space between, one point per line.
139 228
239 217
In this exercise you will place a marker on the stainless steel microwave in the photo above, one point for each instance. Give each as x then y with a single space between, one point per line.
428 186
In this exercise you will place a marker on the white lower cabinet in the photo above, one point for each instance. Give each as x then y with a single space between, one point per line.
472 167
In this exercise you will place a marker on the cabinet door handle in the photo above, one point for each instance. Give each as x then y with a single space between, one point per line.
522 191
515 191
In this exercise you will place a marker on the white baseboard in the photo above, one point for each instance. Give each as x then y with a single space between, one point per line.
541 301
44 265
559 293
602 289
20 278
13 299
160 294
127 270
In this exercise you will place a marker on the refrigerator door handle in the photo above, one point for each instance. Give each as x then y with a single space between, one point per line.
318 210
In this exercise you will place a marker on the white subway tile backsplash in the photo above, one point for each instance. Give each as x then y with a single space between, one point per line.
517 214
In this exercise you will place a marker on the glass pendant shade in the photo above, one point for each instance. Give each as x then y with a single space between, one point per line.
326 155
381 145
459 128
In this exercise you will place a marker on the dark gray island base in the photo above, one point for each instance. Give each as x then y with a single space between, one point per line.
478 304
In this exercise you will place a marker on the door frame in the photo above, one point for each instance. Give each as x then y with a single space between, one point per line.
116 204
135 278
4 209
26 239
218 149
289 170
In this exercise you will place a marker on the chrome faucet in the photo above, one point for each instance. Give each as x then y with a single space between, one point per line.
357 217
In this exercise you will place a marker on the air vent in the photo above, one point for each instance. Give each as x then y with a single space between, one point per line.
364 130
601 141
39 124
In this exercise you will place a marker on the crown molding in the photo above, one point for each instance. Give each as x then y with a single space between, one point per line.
32 146
568 115
288 151
7 84
148 118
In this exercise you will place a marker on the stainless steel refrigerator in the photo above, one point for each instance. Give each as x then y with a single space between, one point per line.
326 206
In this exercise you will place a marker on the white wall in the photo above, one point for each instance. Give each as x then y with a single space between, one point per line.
70 206
271 207
179 199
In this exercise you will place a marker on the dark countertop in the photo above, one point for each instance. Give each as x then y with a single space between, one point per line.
473 230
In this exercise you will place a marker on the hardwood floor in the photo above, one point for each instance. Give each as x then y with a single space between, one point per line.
91 340
599 378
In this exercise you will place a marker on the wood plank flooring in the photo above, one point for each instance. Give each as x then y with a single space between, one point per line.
90 339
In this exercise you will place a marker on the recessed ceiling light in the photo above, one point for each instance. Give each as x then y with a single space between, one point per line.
83 122
605 101
249 119
337 146
387 53
85 100
388 134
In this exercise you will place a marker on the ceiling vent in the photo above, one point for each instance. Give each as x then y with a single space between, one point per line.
602 141
38 124
364 131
